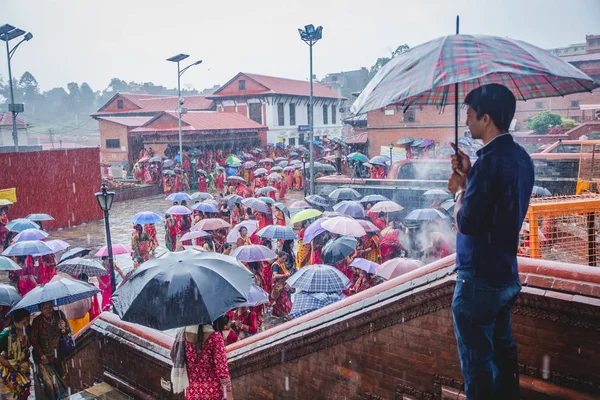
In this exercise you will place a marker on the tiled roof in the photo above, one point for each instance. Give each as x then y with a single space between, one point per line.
582 57
288 86
128 121
153 103
361 137
206 121
6 120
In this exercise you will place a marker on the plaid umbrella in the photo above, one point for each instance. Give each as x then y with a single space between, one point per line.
317 200
256 205
305 303
60 292
446 69
277 232
78 265
319 278
351 208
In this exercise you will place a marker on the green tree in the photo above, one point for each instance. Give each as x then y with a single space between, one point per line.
544 120
568 123
88 98
381 61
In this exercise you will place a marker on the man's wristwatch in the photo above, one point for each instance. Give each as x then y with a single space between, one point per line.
457 194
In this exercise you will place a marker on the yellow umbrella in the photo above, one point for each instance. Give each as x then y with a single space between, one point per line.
304 215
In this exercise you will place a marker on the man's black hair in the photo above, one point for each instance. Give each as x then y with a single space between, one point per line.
496 101
20 314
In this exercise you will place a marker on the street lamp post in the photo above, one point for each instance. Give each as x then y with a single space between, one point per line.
391 145
105 200
310 36
178 58
7 33
304 174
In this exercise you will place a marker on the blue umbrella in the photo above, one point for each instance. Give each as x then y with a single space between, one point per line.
314 230
256 297
178 196
380 160
6 264
294 154
179 210
282 207
205 207
145 218
351 208
20 224
305 303
337 249
235 164
28 247
233 199
266 189
30 234
424 214
8 295
267 200
231 171
277 232
39 217
177 158
319 278
60 292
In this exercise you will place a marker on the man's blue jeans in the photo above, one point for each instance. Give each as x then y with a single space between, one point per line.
486 348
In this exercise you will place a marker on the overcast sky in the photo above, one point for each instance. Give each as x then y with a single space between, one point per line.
94 41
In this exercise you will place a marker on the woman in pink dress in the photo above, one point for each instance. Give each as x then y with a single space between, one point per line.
27 280
206 359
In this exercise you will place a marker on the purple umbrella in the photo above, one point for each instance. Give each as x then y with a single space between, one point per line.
256 297
253 253
30 234
368 266
351 208
249 164
426 143
57 245
314 230
179 210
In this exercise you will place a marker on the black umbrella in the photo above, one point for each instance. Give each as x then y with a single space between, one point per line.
8 295
77 265
345 194
183 288
317 200
75 252
338 249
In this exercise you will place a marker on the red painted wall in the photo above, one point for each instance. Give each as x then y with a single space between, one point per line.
61 183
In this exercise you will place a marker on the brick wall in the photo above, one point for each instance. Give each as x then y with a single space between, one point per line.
61 183
559 105
111 130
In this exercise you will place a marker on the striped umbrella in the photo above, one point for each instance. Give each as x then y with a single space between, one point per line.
257 205
319 278
305 303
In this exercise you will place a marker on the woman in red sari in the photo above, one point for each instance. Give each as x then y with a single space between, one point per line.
280 218
371 249
220 180
364 282
282 187
345 268
280 297
316 248
27 280
47 268
183 226
150 229
262 220
304 250
202 184
257 183
243 240
290 180
246 322
178 183
141 243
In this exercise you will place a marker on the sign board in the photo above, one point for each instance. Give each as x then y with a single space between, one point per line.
303 128
398 153
9 194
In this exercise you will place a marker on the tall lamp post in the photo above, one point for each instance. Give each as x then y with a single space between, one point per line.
304 174
310 36
391 145
105 200
7 33
178 58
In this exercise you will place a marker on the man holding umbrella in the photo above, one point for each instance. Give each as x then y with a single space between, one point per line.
492 198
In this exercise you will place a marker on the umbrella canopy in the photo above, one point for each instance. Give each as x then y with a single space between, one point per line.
74 252
283 164
202 172
345 194
6 264
303 215
146 218
57 245
235 164
338 249
282 207
314 230
202 195
179 196
39 217
254 253
380 160
319 278
427 74
277 232
8 295
265 160
373 198
234 233
424 214
256 297
249 164
20 224
265 190
78 265
30 234
233 199
368 226
540 191
274 177
358 157
305 303
437 194
235 178
448 204
60 292
116 250
368 266
179 210
276 168
344 226
155 159
183 288
232 159
206 207
167 172
194 235
211 224
168 163
404 140
386 206
260 171
317 200
278 159
351 208
397 266
296 162
300 204
267 200
256 205
27 248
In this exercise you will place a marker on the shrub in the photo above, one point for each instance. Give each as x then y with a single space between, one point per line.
544 120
